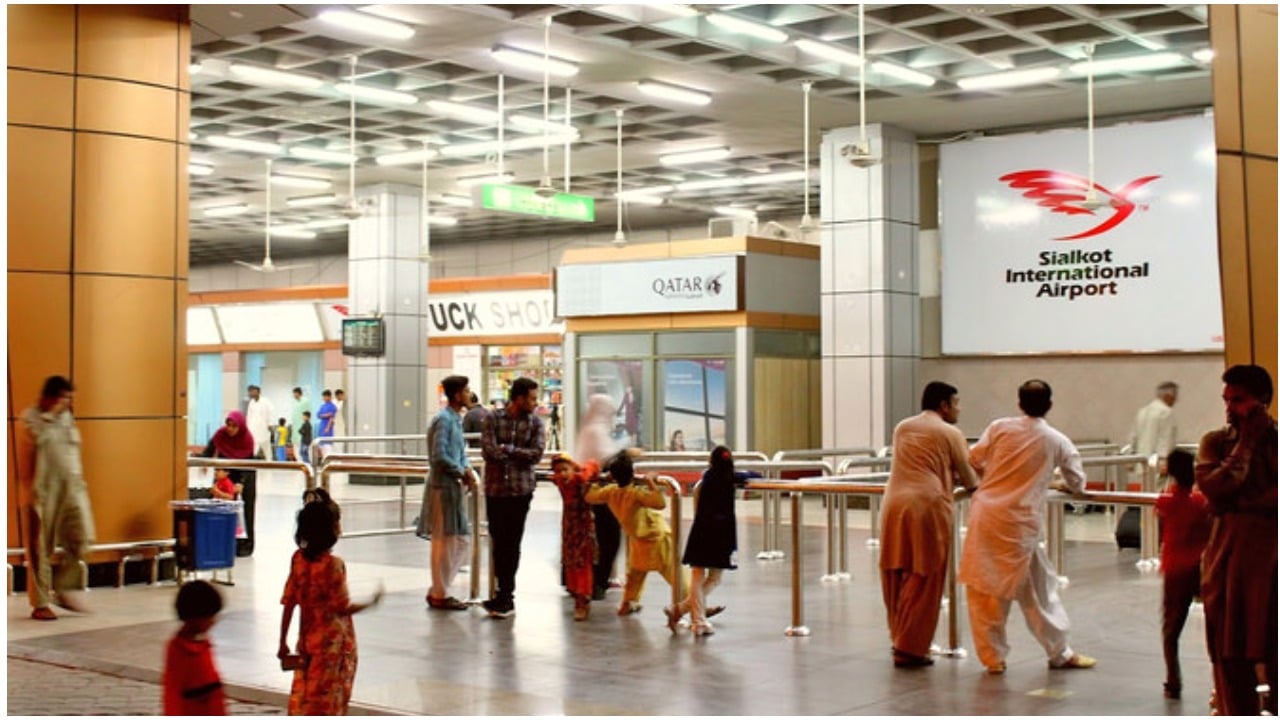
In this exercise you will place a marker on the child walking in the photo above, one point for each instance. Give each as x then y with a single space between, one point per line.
649 542
713 539
304 437
577 529
325 663
192 685
282 441
1184 513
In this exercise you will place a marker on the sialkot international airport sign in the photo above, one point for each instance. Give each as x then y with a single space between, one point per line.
1035 258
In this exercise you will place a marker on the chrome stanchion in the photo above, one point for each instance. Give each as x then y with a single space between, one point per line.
766 528
1148 560
952 600
832 574
873 505
778 552
843 574
677 575
475 547
402 497
1059 543
797 628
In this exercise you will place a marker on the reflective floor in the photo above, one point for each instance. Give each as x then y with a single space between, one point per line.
542 662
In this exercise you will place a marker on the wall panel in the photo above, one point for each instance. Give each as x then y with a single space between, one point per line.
42 37
39 333
129 469
124 379
120 229
39 197
39 98
130 42
114 106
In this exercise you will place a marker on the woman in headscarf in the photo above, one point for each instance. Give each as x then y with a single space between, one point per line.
233 441
595 442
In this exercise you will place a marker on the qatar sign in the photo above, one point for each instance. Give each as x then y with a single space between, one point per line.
1039 257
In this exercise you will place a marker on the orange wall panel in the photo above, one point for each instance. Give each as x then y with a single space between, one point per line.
1260 176
124 347
1226 76
122 226
131 42
1233 259
129 470
115 106
1258 64
39 333
11 494
38 98
182 223
42 37
39 199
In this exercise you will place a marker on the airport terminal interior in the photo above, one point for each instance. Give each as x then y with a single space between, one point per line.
761 226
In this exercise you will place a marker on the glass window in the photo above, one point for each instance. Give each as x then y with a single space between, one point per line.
629 345
627 384
695 401
695 343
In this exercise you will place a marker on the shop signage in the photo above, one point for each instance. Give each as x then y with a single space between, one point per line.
1032 261
526 201
676 285
522 312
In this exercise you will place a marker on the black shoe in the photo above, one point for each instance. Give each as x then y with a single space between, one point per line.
598 593
1172 692
499 610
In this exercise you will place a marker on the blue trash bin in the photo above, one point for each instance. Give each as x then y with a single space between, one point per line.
204 534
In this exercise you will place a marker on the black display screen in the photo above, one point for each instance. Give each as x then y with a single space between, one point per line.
364 337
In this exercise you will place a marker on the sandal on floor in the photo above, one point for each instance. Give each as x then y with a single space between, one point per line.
629 609
997 669
1076 662
43 613
714 610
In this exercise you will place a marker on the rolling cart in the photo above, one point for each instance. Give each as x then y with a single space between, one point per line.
204 533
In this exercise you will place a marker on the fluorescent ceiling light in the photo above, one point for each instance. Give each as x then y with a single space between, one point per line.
674 9
1013 78
908 75
235 143
372 94
523 143
225 210
456 200
645 191
746 27
198 169
529 123
487 178
194 68
310 153
639 199
1203 55
292 231
327 223
361 22
736 211
829 52
305 183
1136 63
694 156
311 200
463 112
777 178
191 135
674 92
713 184
534 61
442 220
405 158
276 78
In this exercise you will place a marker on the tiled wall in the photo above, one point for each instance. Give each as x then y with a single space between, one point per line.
97 244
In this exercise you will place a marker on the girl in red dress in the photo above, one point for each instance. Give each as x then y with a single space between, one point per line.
577 530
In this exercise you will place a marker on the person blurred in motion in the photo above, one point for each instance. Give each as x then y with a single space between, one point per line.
1184 516
473 421
54 500
577 529
192 685
1236 471
595 442
930 459
1003 559
713 540
259 417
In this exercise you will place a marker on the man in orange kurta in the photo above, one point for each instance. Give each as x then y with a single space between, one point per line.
929 459
1236 471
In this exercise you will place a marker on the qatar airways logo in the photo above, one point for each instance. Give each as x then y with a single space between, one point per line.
1066 193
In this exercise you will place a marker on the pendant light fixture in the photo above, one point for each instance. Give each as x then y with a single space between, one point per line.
267 265
860 154
806 223
545 188
424 254
1091 201
619 239
353 210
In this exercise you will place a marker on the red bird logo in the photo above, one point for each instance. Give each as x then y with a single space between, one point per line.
1065 193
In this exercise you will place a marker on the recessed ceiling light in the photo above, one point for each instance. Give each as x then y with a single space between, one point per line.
324 223
1203 55
305 183
674 92
405 158
829 52
528 142
194 68
529 123
915 77
456 200
1136 63
274 78
1013 78
292 231
746 27
736 211
463 112
775 178
372 94
199 169
674 9
712 184
191 135
235 143
225 210
534 61
311 200
310 153
694 156
361 22
487 178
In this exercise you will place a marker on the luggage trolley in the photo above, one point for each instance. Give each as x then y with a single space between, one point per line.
204 533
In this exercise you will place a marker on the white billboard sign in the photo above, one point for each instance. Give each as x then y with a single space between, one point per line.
675 285
1032 264
513 312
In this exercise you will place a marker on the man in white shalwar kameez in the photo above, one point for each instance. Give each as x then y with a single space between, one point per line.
930 458
1003 560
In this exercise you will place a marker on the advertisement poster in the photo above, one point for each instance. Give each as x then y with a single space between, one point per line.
1037 260
623 381
693 417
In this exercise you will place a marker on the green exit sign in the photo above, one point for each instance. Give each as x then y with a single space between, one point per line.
524 200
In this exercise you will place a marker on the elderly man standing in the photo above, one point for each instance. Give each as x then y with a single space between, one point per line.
444 516
1236 471
55 499
930 458
1155 429
1002 559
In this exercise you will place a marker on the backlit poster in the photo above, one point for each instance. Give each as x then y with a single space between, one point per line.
694 402
623 382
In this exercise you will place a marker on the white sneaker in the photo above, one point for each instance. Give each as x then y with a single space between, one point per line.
703 628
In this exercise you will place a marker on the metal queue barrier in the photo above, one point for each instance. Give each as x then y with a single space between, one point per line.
879 463
204 462
344 440
1055 525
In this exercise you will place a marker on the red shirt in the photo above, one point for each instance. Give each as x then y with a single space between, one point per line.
1185 532
191 682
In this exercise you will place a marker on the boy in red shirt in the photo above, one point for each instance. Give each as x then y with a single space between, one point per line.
192 685
1184 513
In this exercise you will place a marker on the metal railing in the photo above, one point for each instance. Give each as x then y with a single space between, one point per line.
230 464
823 454
129 551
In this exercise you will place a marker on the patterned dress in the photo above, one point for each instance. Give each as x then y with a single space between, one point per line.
578 529
326 637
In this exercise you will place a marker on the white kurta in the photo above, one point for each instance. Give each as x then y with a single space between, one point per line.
1154 430
1016 457
258 416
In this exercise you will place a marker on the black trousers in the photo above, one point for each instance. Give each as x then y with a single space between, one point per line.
249 478
506 530
608 537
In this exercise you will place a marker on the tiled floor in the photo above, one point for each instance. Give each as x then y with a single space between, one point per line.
541 662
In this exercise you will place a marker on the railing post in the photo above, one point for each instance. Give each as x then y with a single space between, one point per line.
778 552
797 628
832 574
873 507
953 649
1060 543
1148 542
475 545
843 572
766 513
402 498
677 577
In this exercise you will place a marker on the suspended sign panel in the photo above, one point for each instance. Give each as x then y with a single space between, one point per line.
526 201
1030 265
677 285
